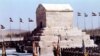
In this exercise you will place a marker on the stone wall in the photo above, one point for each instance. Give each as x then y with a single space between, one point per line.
59 19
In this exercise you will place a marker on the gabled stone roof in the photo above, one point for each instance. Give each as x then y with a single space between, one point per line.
57 7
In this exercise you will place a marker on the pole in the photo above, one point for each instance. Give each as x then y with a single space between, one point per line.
92 26
98 27
10 32
77 24
29 26
84 24
3 46
20 30
93 29
29 21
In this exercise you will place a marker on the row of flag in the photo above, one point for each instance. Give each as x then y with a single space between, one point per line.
2 27
86 15
30 20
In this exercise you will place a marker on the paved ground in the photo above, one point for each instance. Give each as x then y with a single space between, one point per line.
12 52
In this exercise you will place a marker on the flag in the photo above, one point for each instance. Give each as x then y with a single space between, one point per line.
11 20
99 13
21 20
2 27
78 14
86 15
93 14
30 20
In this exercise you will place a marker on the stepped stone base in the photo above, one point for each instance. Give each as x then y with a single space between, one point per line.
69 38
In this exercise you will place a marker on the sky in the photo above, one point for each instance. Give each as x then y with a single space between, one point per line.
27 9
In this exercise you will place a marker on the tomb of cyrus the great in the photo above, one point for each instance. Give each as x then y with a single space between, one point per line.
55 22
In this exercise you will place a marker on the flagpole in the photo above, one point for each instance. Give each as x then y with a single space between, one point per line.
92 27
10 28
77 24
19 31
85 24
77 20
83 44
93 14
10 32
29 26
98 23
3 45
78 14
29 20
